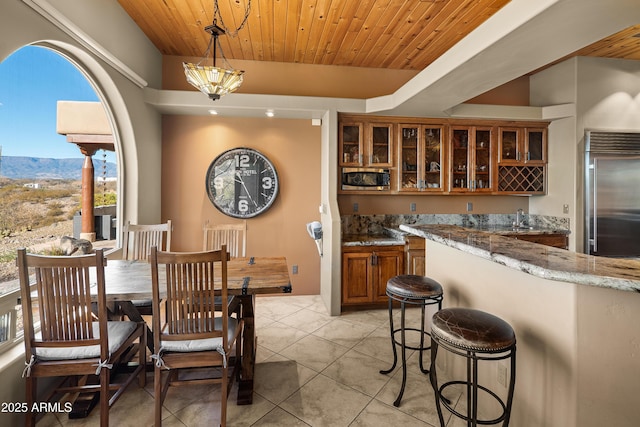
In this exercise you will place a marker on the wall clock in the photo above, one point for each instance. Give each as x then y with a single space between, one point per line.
242 183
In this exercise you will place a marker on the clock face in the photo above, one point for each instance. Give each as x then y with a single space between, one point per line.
242 183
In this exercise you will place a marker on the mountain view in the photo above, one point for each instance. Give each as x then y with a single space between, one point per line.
16 167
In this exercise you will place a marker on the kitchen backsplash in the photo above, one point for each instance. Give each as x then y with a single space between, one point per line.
376 224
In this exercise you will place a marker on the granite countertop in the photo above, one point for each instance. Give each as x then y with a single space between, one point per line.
509 230
538 260
391 236
387 238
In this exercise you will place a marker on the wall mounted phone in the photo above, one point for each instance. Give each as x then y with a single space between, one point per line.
315 231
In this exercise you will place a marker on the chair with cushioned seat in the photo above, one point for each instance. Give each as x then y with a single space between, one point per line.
475 336
417 291
71 343
197 332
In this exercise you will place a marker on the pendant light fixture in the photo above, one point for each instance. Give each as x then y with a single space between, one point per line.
212 80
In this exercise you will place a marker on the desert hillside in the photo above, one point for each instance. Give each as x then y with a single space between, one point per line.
34 214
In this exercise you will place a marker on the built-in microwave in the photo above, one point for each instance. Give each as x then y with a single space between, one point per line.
365 179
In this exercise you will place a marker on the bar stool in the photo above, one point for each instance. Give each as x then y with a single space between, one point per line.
476 336
415 290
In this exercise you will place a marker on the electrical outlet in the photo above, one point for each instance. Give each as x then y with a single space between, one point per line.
355 207
294 269
469 206
412 207
502 374
565 208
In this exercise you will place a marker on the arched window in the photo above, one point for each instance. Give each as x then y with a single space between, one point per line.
40 168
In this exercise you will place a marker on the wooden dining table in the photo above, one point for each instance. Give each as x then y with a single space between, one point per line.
127 281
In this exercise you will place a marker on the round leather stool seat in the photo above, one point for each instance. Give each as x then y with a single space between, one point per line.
472 330
413 287
416 291
477 337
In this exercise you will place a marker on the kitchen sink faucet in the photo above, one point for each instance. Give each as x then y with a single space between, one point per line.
519 218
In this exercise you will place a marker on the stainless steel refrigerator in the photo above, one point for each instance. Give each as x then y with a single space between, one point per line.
612 194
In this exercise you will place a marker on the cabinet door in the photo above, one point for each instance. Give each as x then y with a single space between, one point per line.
510 145
380 144
356 277
387 264
536 145
482 159
433 166
460 159
408 154
351 147
415 255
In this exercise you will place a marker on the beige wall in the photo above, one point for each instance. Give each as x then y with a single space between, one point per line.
609 338
278 78
605 94
189 145
515 92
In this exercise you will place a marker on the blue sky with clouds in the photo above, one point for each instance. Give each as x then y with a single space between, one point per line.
32 80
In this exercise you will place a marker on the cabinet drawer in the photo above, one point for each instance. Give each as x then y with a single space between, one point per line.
556 240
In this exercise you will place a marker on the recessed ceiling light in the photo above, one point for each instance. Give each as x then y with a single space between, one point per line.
270 113
213 112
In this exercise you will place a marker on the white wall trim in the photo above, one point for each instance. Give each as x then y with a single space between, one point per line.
53 15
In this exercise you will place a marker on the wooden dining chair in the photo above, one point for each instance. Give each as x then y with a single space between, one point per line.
136 245
66 340
193 334
139 238
234 236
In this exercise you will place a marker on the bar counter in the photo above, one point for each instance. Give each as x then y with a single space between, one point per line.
538 260
576 322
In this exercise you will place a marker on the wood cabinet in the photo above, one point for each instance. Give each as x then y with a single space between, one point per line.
522 160
415 257
367 144
366 270
379 144
351 140
421 158
557 240
471 159
521 146
446 156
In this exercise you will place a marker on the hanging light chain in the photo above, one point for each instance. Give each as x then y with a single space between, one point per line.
104 176
217 16
224 58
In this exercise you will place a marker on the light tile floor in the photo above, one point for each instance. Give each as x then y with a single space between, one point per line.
312 370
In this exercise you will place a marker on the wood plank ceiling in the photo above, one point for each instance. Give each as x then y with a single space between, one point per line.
394 34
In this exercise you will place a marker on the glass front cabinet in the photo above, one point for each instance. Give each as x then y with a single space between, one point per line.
523 145
471 153
366 146
421 158
379 144
447 156
351 138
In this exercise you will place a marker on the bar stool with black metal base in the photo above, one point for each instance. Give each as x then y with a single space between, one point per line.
476 336
415 290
